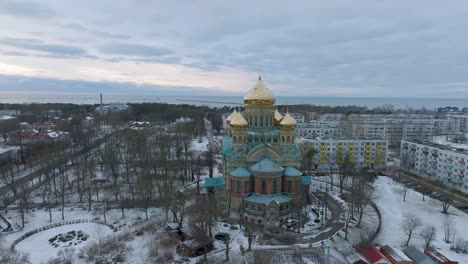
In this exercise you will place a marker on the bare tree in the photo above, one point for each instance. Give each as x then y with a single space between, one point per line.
409 225
446 200
24 201
250 230
64 256
403 190
449 229
429 234
107 251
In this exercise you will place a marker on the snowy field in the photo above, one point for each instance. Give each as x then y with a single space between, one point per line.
392 207
39 249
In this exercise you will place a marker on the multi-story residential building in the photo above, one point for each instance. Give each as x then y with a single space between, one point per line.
318 129
330 153
463 122
437 162
300 118
391 131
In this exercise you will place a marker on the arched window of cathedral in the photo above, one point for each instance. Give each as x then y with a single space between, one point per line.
275 139
250 119
234 139
263 191
250 139
274 186
268 139
240 140
289 186
255 121
282 139
238 186
266 121
246 186
296 189
288 139
261 120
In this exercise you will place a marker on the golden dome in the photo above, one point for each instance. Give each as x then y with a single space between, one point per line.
278 115
288 120
238 120
259 95
229 118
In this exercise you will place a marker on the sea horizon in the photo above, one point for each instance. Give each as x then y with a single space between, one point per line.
22 97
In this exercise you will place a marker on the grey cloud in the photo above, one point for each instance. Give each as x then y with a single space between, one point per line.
134 49
39 45
98 33
25 9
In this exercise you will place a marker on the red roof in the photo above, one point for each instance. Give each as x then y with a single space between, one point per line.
373 254
437 256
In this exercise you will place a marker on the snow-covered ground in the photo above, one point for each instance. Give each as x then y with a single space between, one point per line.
443 141
39 249
393 209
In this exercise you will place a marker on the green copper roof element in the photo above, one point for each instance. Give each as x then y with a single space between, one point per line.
272 132
267 199
266 165
291 171
240 172
417 256
305 180
226 143
214 182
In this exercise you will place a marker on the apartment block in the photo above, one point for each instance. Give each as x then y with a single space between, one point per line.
329 153
437 162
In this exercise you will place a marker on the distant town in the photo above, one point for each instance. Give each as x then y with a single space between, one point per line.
257 183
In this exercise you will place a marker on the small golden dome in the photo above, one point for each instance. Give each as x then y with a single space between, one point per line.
229 118
259 95
288 120
278 115
238 120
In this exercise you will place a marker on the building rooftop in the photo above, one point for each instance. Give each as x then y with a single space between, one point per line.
266 165
267 199
291 171
240 172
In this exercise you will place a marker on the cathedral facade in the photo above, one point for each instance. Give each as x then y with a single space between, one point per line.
262 160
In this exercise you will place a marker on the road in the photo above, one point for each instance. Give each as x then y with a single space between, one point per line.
209 136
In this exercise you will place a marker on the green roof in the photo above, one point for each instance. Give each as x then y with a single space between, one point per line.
267 199
226 144
240 172
291 171
417 256
214 182
266 165
305 180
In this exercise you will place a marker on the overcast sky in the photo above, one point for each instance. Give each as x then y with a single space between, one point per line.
303 48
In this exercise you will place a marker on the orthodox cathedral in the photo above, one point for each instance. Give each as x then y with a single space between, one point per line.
262 160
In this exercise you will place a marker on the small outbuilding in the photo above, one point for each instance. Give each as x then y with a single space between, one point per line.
417 256
395 255
438 257
374 256
353 257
